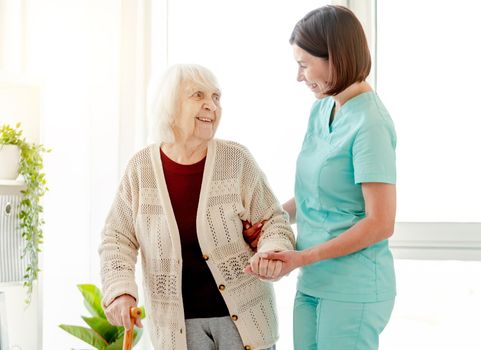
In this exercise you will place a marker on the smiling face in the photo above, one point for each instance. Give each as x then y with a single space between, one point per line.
198 114
314 71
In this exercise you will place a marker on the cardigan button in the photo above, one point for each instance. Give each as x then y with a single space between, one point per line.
221 287
247 347
205 257
234 317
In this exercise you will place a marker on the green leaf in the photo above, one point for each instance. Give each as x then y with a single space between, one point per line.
142 315
117 345
93 299
104 328
87 335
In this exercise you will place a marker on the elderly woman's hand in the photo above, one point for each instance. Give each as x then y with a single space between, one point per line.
264 268
252 233
291 259
118 312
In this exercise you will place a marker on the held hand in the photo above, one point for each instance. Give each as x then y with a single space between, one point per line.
118 312
264 268
252 233
290 259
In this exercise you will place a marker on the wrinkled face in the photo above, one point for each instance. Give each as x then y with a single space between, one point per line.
199 112
314 71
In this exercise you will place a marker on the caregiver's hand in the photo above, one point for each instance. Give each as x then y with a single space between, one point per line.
264 268
252 233
290 259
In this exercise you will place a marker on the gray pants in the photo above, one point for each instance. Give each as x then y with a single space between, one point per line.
214 333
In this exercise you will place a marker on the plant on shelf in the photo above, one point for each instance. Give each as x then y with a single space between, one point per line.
101 334
30 214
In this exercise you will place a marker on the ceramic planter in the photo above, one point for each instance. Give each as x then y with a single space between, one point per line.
9 158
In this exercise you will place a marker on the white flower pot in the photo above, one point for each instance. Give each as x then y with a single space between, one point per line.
9 158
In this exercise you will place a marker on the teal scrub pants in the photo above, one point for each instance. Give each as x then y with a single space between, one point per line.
321 324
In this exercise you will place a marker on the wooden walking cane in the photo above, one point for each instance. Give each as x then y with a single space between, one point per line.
135 312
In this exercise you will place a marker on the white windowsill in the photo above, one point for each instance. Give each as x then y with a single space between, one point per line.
437 241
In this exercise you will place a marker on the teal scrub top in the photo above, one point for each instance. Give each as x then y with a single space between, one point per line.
359 146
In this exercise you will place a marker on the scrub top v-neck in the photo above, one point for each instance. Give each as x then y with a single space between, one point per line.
335 159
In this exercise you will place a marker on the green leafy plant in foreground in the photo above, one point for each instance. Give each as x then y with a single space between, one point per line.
101 334
30 213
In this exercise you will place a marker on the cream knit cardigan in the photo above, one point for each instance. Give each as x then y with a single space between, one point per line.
141 217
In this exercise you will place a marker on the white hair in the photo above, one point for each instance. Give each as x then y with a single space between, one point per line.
166 101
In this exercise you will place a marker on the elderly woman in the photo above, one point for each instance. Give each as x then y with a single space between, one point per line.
181 203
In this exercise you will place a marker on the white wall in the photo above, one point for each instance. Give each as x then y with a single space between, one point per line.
73 46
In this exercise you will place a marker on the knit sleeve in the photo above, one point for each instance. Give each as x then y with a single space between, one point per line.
262 204
119 246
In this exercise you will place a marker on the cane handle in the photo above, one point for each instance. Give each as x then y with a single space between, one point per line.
135 312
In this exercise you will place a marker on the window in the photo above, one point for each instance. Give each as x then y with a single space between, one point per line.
427 74
428 70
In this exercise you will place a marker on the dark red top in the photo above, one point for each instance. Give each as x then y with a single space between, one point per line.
201 295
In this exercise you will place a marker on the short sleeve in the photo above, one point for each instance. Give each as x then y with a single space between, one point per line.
374 154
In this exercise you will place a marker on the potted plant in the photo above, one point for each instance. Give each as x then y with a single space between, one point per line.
100 334
30 166
9 158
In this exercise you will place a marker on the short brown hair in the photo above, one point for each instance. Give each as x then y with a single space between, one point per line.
335 33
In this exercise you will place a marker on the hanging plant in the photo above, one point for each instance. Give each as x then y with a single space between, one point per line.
30 210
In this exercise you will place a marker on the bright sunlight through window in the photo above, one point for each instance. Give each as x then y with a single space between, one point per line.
428 77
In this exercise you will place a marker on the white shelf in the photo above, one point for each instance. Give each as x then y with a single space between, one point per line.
11 284
11 187
11 183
